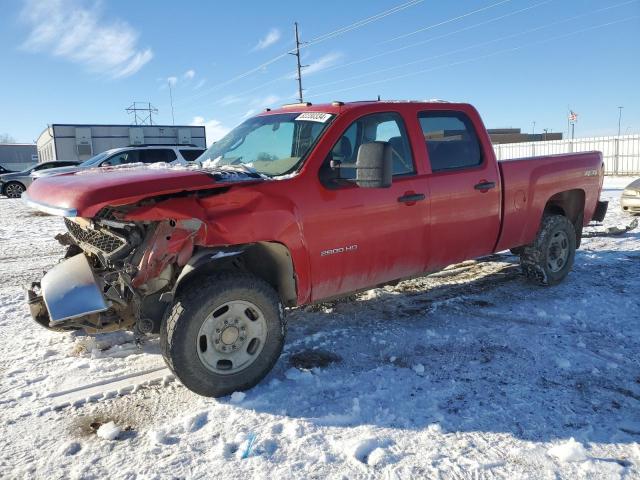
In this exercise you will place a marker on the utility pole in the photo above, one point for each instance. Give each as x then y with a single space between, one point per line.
619 118
173 120
534 128
299 65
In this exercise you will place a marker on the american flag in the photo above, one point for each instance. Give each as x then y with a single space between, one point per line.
573 116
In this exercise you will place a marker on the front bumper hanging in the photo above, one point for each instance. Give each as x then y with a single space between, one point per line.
67 291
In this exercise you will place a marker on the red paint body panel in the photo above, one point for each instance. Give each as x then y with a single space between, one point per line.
377 238
530 182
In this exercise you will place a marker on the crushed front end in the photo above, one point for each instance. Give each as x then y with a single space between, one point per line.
113 274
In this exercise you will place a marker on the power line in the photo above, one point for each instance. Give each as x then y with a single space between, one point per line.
507 37
499 52
429 40
364 22
422 42
319 39
444 22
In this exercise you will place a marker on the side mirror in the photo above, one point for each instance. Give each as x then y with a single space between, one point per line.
374 165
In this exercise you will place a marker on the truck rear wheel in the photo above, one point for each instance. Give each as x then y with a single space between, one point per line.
550 258
223 334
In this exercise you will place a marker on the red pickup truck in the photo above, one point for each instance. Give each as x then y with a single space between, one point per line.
295 206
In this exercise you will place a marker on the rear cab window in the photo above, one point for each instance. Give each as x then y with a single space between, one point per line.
451 140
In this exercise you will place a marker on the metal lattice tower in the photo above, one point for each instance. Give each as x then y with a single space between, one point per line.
142 113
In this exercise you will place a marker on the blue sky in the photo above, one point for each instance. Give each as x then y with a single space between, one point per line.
82 61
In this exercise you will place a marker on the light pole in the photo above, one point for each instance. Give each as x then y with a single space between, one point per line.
619 118
173 119
545 133
534 128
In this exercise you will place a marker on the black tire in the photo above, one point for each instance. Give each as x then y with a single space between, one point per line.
197 302
540 261
13 189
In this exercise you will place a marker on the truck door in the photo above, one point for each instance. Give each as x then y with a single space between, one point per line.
360 237
464 189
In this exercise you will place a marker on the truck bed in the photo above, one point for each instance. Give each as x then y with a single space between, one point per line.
529 183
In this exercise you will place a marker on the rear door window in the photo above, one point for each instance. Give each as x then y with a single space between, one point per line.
155 155
451 140
191 155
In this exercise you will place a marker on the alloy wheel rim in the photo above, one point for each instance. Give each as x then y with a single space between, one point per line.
558 251
14 191
231 337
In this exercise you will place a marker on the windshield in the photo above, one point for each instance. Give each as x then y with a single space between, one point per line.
96 159
270 144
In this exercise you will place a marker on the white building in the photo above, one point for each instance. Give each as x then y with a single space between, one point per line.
81 142
18 156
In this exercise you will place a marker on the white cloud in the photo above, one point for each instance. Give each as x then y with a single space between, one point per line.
229 100
323 62
214 128
172 81
263 102
200 83
272 37
189 74
68 29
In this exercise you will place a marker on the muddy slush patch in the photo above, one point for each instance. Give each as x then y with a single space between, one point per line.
88 425
308 359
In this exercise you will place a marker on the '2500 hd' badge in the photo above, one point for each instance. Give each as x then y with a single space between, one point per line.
333 251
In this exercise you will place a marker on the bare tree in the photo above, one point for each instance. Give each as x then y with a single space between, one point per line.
6 138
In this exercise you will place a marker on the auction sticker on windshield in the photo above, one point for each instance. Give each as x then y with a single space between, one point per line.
314 117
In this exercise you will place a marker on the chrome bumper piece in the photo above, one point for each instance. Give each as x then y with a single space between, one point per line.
69 290
50 209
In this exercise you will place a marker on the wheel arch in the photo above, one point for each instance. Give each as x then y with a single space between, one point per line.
270 261
569 203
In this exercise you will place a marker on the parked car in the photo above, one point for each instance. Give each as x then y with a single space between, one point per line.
180 154
296 206
12 185
4 170
630 199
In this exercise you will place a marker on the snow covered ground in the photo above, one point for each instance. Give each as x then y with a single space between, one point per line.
468 373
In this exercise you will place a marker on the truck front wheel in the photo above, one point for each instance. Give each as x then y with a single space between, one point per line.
223 334
550 258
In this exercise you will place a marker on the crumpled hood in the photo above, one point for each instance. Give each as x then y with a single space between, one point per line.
85 192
